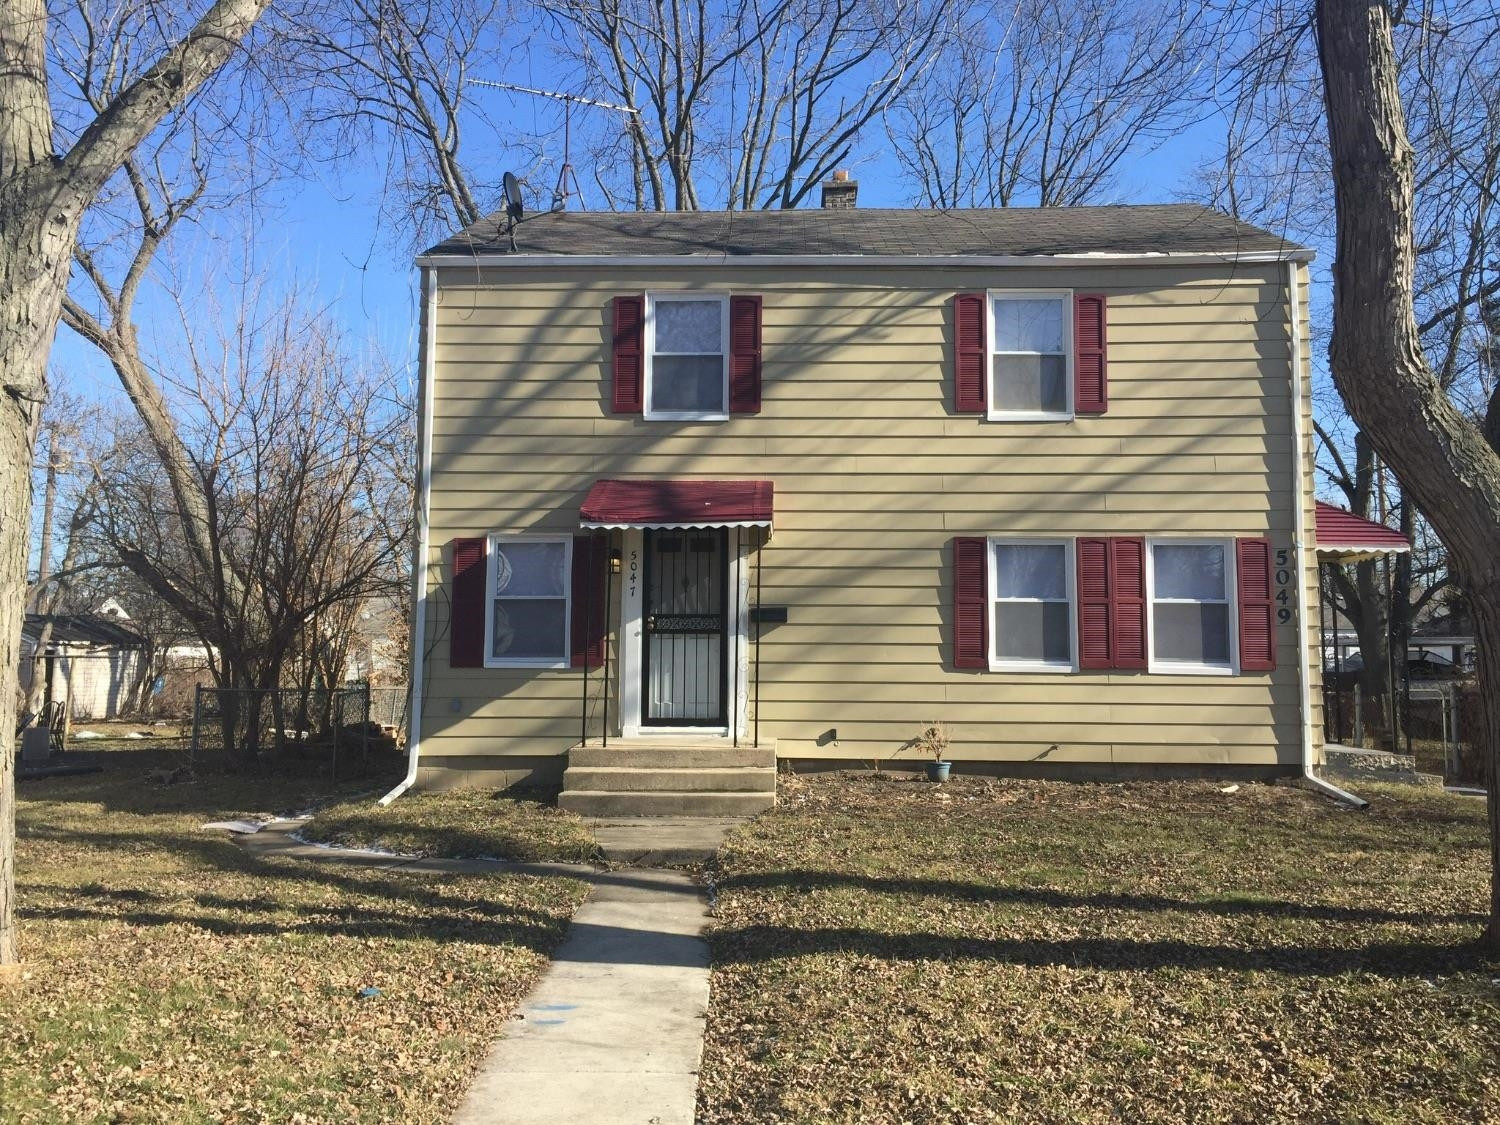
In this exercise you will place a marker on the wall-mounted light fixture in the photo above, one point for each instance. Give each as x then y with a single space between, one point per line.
614 561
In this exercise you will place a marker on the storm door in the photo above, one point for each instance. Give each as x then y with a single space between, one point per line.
686 625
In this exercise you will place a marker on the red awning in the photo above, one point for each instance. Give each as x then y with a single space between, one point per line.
677 503
1349 537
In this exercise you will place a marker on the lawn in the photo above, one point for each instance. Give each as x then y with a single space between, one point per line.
170 977
468 823
892 951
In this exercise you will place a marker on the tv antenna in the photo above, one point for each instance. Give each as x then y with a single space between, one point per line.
567 180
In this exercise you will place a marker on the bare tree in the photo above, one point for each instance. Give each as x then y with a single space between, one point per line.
1037 103
279 424
1276 169
44 193
821 73
398 76
1449 464
752 102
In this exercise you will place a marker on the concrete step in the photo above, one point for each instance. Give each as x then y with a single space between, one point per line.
626 779
660 756
593 802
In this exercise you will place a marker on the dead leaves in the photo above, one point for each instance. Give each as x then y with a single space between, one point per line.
1030 951
173 978
464 824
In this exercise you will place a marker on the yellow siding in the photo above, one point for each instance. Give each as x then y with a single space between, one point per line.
874 476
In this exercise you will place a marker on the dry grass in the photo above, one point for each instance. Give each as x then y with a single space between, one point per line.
468 823
171 977
1027 951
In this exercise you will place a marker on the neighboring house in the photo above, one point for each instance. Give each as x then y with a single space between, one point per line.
1447 635
1043 475
93 661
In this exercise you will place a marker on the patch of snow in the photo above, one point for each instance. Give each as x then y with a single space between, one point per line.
86 734
357 851
239 827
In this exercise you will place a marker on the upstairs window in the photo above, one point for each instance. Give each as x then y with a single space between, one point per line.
687 357
1189 589
1030 373
1032 613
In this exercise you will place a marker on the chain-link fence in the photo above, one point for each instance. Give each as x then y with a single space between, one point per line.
1433 722
389 707
342 732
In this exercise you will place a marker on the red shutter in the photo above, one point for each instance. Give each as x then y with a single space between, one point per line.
1252 568
466 614
970 640
629 354
744 355
589 627
1093 604
970 343
1127 602
1090 366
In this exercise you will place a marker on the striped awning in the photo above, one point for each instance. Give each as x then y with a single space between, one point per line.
1345 537
677 504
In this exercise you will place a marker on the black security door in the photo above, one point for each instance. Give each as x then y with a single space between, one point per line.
686 626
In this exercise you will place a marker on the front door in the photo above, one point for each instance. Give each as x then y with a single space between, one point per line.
686 625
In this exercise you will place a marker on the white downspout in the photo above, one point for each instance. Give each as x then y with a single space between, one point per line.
1299 551
426 368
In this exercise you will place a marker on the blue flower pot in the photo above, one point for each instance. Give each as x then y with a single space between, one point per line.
938 771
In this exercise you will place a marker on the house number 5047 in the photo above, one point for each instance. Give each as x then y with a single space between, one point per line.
1285 591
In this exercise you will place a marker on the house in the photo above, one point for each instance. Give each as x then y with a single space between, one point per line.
804 481
93 661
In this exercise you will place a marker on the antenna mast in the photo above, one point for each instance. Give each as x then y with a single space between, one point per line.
566 176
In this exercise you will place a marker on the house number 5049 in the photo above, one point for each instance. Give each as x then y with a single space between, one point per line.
1285 591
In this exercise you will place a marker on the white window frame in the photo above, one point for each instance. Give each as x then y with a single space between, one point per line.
1231 585
649 360
493 542
1065 298
992 578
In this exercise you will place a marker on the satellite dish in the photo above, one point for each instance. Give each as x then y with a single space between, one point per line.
514 206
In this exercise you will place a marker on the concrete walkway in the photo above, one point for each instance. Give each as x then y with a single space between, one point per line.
613 1032
658 841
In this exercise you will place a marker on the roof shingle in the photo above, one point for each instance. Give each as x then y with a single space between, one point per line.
1020 231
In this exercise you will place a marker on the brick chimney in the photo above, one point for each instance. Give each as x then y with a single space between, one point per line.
840 192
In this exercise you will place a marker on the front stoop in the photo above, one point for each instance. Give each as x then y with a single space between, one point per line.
669 778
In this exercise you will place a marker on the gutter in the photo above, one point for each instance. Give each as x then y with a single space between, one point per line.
952 261
1308 779
426 367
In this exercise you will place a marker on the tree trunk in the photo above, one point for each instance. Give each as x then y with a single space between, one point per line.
1487 636
1442 460
42 199
34 258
